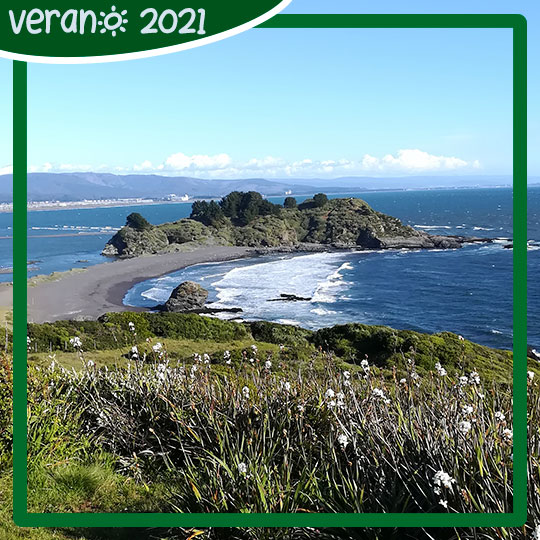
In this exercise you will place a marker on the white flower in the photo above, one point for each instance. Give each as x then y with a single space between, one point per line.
474 378
415 376
402 381
254 349
378 393
443 479
329 394
157 347
332 403
242 468
227 357
508 434
461 338
440 370
444 503
530 375
245 392
343 441
161 368
536 533
499 416
206 358
268 364
287 386
131 326
463 380
90 364
346 375
76 342
465 427
365 365
467 409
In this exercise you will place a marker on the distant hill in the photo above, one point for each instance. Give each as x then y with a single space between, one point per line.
79 186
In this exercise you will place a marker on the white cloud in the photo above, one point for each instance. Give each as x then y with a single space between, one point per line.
182 162
8 169
222 166
144 166
407 161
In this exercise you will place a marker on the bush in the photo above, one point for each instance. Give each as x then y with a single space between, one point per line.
320 200
289 202
209 213
137 222
386 347
279 334
243 207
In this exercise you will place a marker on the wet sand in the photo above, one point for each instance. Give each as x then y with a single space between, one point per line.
89 293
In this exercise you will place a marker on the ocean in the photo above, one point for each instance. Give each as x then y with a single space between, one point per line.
467 291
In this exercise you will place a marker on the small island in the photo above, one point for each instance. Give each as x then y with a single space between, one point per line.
246 219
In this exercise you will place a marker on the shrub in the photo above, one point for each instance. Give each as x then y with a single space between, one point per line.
137 222
209 213
279 334
320 200
289 202
244 207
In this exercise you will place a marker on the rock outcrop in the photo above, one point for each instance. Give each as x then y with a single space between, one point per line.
188 296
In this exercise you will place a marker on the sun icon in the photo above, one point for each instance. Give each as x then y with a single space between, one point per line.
113 21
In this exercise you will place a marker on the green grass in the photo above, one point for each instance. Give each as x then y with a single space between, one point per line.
109 339
173 432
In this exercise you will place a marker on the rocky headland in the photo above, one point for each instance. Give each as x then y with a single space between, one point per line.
248 220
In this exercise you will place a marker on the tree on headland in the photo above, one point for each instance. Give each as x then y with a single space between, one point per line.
289 202
137 222
320 200
209 213
240 207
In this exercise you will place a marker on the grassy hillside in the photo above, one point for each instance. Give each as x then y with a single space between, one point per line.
212 416
109 340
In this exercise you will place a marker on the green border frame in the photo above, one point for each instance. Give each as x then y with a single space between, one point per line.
515 519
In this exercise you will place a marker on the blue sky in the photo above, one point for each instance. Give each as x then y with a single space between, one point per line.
297 103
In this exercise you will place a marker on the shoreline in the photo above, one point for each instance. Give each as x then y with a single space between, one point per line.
89 293
7 208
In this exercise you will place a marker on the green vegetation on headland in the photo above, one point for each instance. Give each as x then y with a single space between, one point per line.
349 343
247 219
168 412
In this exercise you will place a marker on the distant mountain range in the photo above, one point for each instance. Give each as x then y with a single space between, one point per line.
80 186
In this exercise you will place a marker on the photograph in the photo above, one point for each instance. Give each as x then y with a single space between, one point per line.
274 274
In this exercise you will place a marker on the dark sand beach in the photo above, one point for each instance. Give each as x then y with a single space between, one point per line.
89 293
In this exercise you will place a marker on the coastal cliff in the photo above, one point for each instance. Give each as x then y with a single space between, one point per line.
246 219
